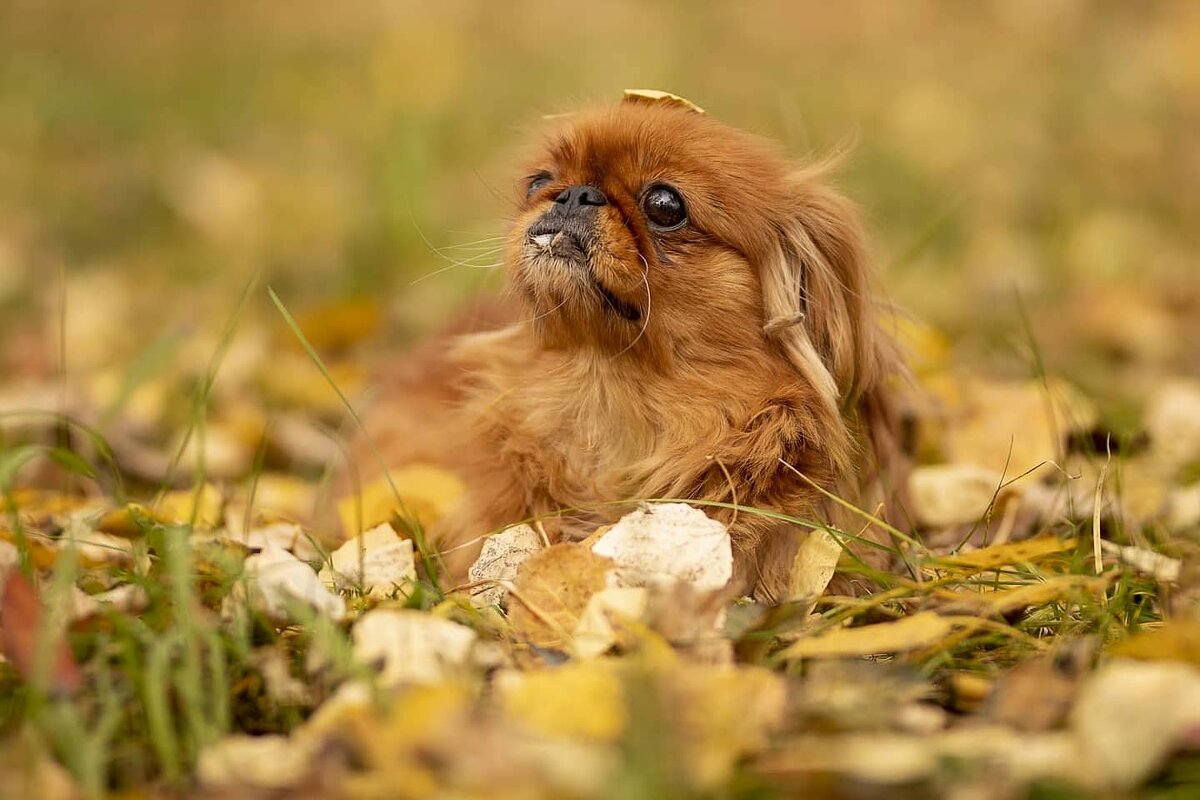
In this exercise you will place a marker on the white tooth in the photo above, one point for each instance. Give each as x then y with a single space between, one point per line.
543 239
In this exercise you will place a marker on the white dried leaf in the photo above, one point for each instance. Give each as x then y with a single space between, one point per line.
942 495
596 633
378 560
1156 565
502 556
410 646
1173 422
126 598
668 541
284 535
238 763
1131 715
275 579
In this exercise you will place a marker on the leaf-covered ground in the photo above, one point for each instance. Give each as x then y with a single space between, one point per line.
178 615
174 623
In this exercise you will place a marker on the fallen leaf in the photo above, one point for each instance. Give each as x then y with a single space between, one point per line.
1156 565
275 580
1033 696
1173 423
1176 640
379 561
723 712
409 646
22 623
923 629
952 494
1000 602
599 626
502 555
1130 716
425 492
551 590
581 701
814 565
669 540
238 763
1028 551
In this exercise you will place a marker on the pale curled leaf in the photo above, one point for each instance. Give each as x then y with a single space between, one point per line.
814 565
502 556
1156 565
276 581
599 626
410 646
379 561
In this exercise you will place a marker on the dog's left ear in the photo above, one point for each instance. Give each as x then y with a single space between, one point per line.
816 296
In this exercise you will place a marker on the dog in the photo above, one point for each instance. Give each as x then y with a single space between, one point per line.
689 315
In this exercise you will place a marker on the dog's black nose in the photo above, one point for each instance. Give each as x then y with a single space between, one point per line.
577 197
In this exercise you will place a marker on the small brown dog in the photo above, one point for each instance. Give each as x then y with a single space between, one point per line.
694 322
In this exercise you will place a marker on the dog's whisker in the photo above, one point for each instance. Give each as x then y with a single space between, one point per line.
454 265
646 316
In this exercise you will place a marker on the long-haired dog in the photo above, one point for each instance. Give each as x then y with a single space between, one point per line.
693 320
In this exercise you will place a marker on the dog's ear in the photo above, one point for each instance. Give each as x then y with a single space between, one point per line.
816 297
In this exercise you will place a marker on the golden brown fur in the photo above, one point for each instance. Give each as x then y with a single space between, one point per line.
712 362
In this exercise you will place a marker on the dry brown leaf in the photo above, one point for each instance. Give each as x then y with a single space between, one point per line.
551 591
22 622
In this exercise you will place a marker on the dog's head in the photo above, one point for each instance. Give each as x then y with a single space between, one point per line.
650 231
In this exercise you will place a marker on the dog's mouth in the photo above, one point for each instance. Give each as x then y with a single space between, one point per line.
571 245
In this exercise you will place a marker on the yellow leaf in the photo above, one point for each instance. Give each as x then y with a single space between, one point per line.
725 712
582 700
908 633
182 507
552 590
338 325
1006 601
815 562
659 96
1008 554
187 505
426 492
1176 640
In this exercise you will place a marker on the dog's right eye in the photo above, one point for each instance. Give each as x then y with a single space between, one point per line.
536 182
664 208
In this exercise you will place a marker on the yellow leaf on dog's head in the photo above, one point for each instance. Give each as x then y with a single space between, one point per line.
426 493
658 96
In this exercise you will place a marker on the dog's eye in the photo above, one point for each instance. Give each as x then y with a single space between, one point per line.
664 208
537 182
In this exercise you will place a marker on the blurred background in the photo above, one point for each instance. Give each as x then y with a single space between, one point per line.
1029 168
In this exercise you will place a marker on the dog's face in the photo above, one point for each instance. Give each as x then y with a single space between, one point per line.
653 231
